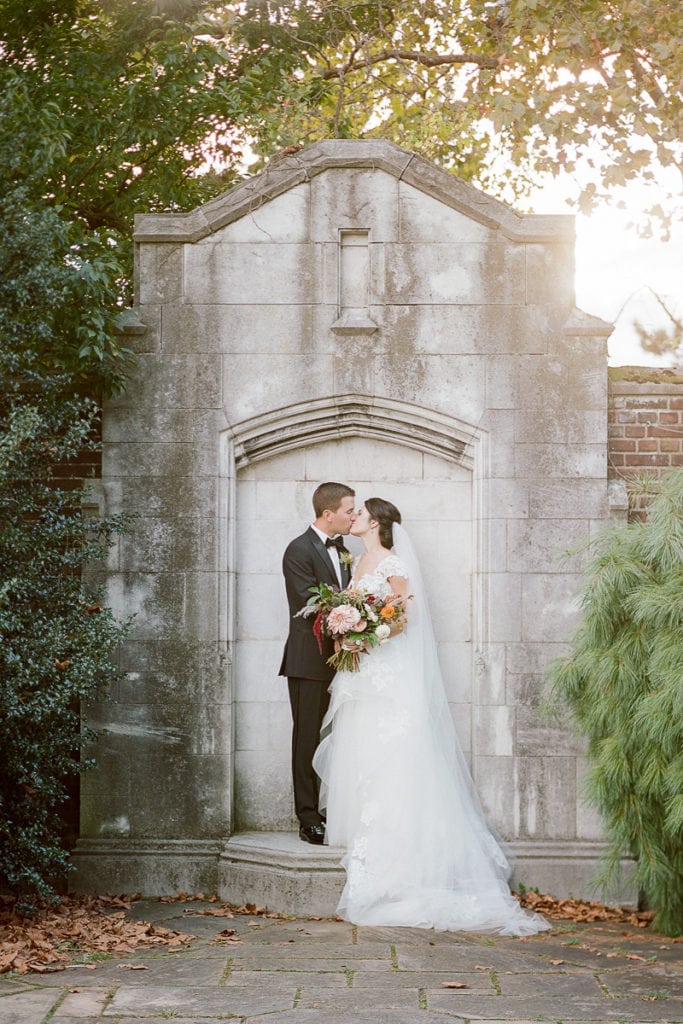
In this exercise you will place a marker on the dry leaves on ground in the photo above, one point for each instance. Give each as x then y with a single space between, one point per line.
582 910
224 910
54 936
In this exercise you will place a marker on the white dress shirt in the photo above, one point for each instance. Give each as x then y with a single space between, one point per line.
332 552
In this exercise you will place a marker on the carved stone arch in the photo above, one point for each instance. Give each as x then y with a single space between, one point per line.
338 416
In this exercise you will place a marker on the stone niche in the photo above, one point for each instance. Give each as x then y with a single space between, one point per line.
353 313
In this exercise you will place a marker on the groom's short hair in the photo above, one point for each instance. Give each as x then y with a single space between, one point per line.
329 496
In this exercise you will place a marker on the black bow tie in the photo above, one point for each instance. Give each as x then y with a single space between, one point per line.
335 542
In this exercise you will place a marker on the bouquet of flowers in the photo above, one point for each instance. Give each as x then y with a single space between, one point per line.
356 620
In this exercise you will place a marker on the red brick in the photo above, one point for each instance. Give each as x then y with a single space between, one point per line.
626 416
647 446
668 417
659 431
676 403
670 444
641 459
634 431
619 445
615 459
677 460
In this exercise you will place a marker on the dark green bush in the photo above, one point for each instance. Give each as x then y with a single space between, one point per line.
623 682
56 640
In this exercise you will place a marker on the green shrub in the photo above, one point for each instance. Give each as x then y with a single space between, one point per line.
56 640
623 682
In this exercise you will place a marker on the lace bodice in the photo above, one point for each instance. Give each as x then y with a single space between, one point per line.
376 582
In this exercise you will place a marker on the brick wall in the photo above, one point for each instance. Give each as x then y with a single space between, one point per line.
645 424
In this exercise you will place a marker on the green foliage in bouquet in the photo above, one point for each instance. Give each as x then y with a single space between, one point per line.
356 620
623 682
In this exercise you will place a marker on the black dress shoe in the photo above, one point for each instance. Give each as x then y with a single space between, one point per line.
312 834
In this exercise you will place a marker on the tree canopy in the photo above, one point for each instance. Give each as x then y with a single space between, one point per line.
500 91
112 107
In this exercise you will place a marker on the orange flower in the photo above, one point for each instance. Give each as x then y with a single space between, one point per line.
388 612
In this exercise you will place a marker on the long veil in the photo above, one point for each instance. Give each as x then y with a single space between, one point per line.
400 799
422 654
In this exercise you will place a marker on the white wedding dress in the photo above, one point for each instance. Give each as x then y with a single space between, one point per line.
397 791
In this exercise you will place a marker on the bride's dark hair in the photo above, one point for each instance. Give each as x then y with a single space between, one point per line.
385 514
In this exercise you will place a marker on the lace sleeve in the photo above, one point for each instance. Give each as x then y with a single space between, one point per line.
393 566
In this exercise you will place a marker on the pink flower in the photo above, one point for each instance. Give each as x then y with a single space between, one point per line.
344 618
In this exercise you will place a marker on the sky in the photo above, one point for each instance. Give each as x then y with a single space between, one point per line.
615 268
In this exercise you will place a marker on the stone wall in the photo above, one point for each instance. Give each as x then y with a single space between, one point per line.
352 313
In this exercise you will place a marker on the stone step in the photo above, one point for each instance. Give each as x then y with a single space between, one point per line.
280 871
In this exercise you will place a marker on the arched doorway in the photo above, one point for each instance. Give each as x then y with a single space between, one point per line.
420 463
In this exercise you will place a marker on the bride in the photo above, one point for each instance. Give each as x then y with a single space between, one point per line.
394 783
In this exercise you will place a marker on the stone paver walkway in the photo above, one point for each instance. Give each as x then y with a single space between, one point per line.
328 972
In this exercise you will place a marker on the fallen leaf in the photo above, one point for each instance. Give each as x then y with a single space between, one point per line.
454 984
582 910
635 956
55 935
556 963
210 912
483 967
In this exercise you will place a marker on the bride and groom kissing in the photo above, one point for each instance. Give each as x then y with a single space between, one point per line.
376 764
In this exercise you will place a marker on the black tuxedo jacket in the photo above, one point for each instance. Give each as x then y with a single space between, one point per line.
306 563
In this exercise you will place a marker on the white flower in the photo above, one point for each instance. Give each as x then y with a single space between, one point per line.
370 613
383 632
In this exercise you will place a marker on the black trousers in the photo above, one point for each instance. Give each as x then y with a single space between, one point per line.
309 700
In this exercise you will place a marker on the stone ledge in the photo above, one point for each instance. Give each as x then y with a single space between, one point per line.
284 174
151 867
289 876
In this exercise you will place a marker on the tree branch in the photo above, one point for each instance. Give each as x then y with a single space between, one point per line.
428 60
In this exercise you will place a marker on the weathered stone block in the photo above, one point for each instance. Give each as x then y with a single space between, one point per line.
550 274
425 219
505 498
147 459
263 793
284 219
505 606
546 797
248 393
448 384
546 545
561 460
257 663
549 607
455 272
494 729
489 675
227 273
160 274
496 780
346 199
567 499
541 733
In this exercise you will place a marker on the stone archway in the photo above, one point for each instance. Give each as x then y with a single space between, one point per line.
423 462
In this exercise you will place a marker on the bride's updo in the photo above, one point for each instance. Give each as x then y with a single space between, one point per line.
385 514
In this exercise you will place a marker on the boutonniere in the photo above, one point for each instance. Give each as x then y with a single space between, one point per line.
346 558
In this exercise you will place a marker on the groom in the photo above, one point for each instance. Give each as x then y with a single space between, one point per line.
310 559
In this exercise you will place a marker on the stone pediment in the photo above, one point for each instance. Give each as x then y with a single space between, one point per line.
288 172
